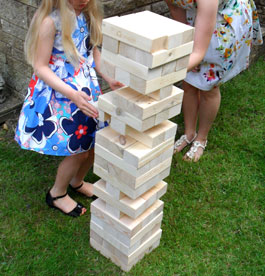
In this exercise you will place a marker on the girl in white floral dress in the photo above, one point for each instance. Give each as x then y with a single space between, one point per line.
224 33
59 116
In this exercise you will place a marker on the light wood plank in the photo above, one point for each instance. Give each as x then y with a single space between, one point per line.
143 106
147 87
153 60
104 162
110 44
131 207
155 135
147 31
126 189
131 66
126 225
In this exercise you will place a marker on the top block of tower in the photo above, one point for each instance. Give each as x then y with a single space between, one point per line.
148 31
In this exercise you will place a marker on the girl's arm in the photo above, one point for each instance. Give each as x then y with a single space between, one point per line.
176 13
112 83
204 28
42 70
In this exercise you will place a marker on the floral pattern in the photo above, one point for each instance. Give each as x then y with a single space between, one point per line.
237 28
50 123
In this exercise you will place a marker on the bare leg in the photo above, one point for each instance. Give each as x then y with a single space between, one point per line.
87 188
208 109
66 170
190 106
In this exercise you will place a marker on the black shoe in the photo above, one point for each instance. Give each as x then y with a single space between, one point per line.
76 212
75 189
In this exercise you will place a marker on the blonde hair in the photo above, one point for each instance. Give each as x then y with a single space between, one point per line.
93 13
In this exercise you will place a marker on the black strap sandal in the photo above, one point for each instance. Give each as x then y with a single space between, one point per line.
76 212
78 187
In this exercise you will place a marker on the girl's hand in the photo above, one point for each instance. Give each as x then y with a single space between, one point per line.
81 99
113 84
196 69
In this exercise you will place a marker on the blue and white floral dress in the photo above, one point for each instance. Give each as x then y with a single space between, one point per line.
49 123
237 28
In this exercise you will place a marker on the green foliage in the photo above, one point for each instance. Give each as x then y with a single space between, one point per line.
213 220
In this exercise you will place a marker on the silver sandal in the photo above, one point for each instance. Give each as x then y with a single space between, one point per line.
194 148
182 139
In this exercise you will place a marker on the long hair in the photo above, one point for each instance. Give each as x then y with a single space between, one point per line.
93 13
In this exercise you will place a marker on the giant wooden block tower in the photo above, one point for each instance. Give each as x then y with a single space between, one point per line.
148 53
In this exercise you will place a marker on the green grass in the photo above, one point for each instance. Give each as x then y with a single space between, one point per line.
213 220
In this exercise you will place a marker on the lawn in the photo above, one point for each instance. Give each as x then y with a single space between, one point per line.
213 222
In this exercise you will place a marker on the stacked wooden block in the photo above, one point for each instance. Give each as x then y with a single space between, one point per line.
148 53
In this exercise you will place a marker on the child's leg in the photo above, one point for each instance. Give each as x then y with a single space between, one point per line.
66 171
209 106
190 107
87 188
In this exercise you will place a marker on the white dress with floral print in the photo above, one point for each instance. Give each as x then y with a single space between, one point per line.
237 28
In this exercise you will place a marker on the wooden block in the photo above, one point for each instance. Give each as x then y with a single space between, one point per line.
119 253
112 240
142 106
126 66
107 68
102 116
109 139
110 44
135 156
147 31
167 114
121 118
153 60
155 135
131 207
116 260
179 53
110 163
105 103
123 260
144 179
115 240
136 54
115 212
113 191
153 225
124 30
138 152
126 189
147 87
126 225
122 76
131 66
162 93
118 125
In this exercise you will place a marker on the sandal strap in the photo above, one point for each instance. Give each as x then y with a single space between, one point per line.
58 197
198 144
78 187
182 139
194 148
76 212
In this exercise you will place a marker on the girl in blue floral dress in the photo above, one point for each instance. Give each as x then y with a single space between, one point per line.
224 33
59 115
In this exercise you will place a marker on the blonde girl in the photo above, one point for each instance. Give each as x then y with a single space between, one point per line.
59 116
